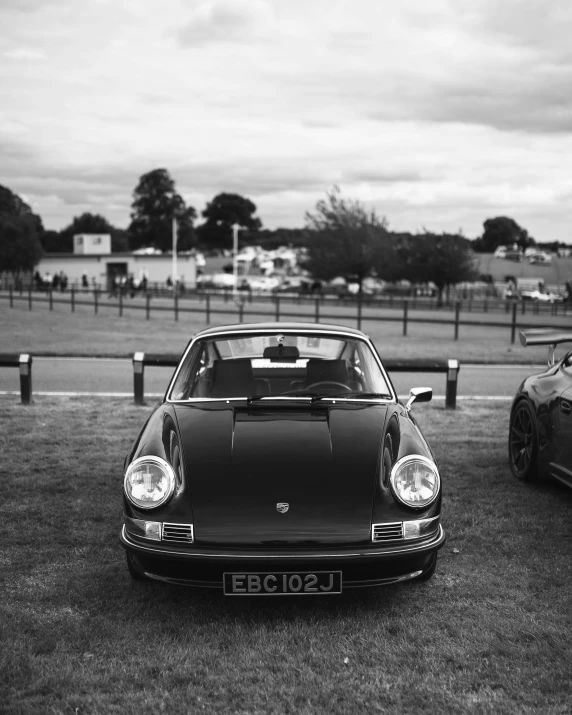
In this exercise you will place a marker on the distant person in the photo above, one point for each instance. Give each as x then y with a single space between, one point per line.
63 282
84 282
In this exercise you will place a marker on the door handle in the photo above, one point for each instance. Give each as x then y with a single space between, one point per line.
565 407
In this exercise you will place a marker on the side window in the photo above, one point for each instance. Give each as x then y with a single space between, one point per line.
567 363
186 377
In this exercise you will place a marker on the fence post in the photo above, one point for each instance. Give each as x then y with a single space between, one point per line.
51 299
176 304
30 297
240 311
25 365
11 297
513 324
147 306
120 303
95 303
138 372
405 312
208 308
277 308
452 380
72 303
457 312
317 312
359 302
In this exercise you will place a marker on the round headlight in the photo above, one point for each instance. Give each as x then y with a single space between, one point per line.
415 480
149 482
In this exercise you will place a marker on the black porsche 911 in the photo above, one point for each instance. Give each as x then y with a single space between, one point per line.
281 461
540 432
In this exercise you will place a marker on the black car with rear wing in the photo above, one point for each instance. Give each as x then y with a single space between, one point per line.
281 462
540 431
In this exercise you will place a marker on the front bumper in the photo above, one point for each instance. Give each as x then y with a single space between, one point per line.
370 565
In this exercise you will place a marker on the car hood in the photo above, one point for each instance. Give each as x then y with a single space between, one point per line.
241 462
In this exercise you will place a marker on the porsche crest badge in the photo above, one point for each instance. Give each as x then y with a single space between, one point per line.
282 507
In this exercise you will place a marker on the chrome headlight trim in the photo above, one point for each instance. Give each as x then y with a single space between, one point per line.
400 464
167 470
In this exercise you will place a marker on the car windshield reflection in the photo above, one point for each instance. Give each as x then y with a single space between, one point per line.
259 367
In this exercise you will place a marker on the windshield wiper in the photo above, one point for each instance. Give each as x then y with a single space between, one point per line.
258 398
353 394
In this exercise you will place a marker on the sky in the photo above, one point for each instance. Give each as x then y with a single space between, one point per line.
438 114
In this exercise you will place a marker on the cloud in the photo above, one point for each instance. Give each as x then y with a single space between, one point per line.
224 21
23 53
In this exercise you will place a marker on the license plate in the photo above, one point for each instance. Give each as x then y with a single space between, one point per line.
284 583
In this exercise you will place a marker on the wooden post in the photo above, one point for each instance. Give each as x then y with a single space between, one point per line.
11 297
513 324
317 310
277 317
120 302
138 378
405 311
25 365
176 304
452 380
240 311
457 313
147 306
95 306
72 301
51 299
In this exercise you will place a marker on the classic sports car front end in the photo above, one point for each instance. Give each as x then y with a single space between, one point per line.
281 462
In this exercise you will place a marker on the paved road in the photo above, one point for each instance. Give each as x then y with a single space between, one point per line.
103 376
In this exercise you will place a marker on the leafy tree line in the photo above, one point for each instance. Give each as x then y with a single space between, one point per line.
340 234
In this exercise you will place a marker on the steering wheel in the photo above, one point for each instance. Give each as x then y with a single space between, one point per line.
328 382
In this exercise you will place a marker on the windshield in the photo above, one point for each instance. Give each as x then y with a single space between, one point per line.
280 365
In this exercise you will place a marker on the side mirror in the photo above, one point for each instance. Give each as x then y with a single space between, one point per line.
419 394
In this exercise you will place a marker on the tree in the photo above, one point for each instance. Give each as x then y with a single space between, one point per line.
502 231
20 247
221 214
443 259
20 228
12 205
344 239
155 204
86 223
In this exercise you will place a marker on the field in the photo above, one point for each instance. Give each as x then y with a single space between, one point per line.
84 333
489 634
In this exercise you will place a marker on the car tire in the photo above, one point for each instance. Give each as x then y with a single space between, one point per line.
523 443
428 573
135 575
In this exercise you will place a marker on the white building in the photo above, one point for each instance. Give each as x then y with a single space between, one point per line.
102 268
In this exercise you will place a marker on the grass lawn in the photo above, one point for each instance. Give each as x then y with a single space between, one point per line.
489 634
82 332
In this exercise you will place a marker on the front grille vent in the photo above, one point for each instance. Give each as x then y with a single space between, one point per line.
178 533
387 532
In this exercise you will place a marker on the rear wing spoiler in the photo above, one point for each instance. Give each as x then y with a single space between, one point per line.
552 338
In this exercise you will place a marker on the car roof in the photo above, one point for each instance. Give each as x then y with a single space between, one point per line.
282 327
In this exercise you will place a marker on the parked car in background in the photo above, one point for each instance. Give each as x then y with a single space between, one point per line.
281 462
540 431
540 258
541 296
